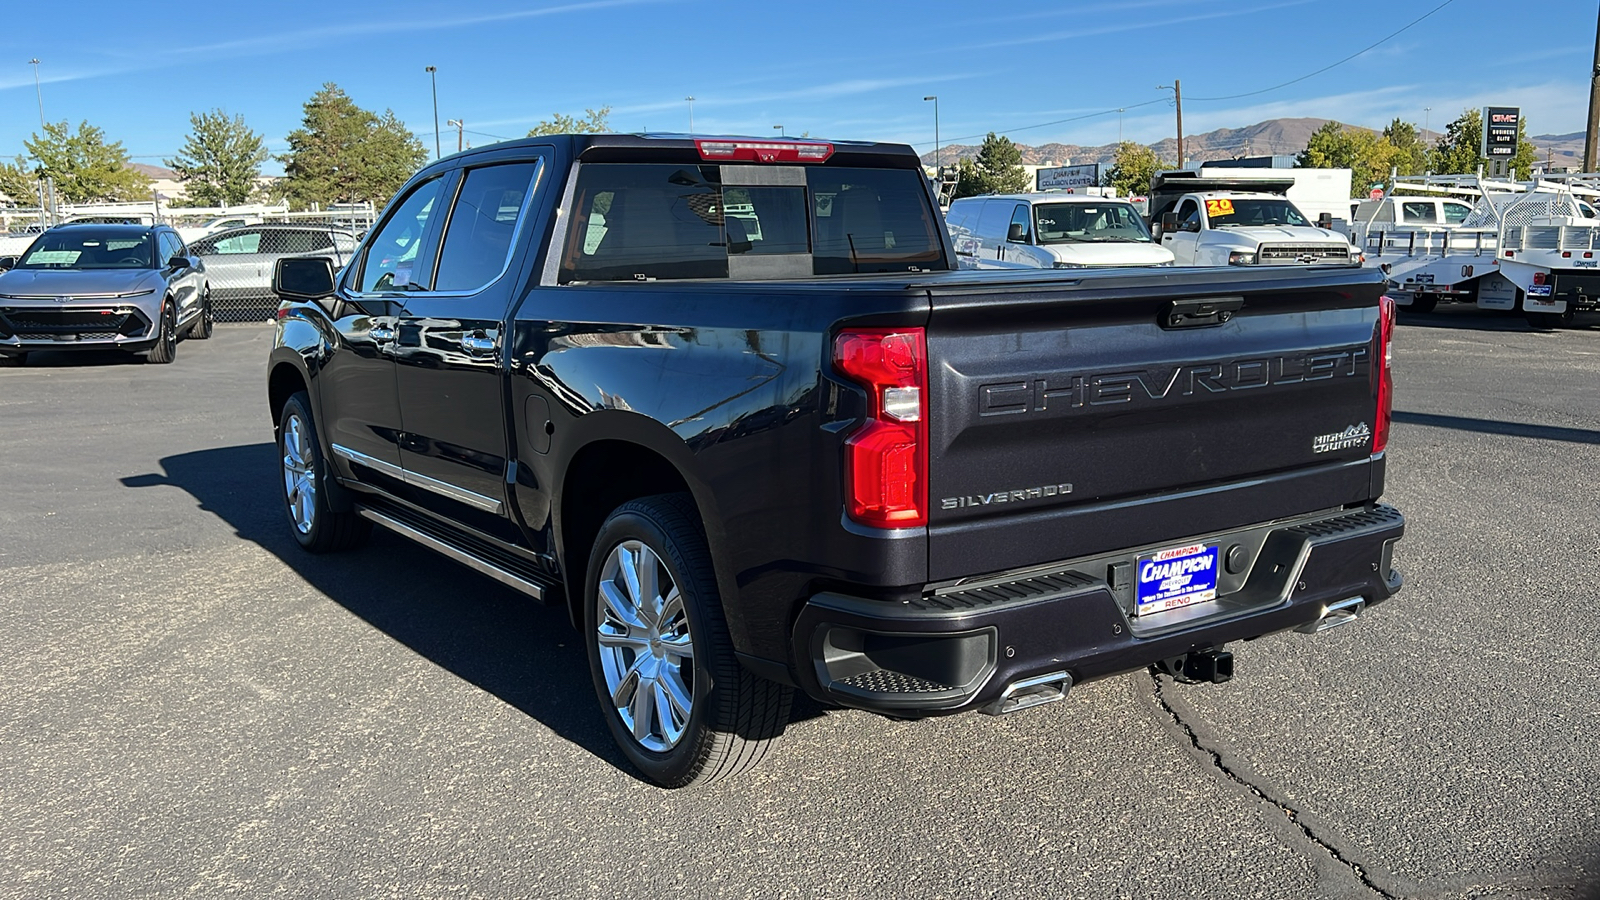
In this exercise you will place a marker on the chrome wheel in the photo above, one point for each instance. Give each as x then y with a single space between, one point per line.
646 649
299 475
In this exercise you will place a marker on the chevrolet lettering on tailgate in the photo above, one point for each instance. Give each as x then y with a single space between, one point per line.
1052 393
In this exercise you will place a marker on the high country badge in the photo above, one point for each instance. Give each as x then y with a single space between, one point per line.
1354 436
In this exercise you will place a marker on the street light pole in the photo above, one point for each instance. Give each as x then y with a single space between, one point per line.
461 128
433 77
38 92
780 131
1120 111
935 99
691 113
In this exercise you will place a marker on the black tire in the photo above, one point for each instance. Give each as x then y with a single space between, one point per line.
13 360
166 346
1548 321
205 322
1422 303
317 527
734 716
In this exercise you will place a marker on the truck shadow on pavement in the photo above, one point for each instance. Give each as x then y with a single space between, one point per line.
1473 319
524 653
1496 426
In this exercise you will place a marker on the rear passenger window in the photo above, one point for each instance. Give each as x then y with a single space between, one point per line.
642 222
477 239
243 242
289 241
1418 212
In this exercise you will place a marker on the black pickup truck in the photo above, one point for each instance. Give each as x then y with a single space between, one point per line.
732 404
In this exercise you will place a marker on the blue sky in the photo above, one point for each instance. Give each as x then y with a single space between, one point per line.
845 70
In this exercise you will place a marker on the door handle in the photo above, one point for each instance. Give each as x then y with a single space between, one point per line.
381 333
477 343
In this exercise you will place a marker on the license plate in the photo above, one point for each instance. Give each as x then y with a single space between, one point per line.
1177 577
1539 290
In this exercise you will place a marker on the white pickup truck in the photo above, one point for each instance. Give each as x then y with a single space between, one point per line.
1211 222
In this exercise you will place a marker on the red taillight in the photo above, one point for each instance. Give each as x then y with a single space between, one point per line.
1538 278
764 151
1382 366
886 460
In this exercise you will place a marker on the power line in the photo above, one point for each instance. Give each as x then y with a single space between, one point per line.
1127 106
1374 45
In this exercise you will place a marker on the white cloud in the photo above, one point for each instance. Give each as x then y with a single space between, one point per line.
1074 33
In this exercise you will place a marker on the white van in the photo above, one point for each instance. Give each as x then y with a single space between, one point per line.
1050 230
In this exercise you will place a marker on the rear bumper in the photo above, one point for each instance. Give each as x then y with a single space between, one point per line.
960 646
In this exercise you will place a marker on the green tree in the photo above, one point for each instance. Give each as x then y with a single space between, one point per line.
18 182
1410 152
595 121
1367 155
1001 164
1457 152
86 169
1133 167
342 153
220 161
997 169
968 182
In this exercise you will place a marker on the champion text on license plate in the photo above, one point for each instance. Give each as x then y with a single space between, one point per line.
1177 577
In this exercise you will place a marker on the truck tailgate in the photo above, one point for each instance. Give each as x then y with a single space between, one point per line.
1075 417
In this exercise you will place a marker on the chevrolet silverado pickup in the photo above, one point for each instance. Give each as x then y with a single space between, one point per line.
731 404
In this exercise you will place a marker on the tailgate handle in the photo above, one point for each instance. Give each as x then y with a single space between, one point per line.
1200 313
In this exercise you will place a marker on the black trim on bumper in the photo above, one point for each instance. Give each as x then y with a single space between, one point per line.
958 648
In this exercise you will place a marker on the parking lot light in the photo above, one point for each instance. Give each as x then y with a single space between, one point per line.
434 78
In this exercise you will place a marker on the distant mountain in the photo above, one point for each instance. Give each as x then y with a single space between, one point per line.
1560 149
154 173
1272 137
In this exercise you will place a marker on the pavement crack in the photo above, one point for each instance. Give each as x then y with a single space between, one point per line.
1290 812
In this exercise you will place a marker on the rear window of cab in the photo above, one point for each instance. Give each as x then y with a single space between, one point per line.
647 222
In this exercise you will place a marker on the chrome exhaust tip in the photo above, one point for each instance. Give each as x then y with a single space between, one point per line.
1335 614
1030 692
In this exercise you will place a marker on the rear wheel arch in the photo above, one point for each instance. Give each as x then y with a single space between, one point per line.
601 476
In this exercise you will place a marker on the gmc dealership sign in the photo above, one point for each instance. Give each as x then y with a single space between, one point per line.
1499 132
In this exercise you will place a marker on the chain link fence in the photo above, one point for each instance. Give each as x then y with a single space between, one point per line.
239 263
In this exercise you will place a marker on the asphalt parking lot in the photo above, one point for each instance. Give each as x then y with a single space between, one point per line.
193 707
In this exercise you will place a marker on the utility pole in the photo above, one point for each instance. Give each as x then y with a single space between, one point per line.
1594 106
461 130
935 99
1177 99
433 77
